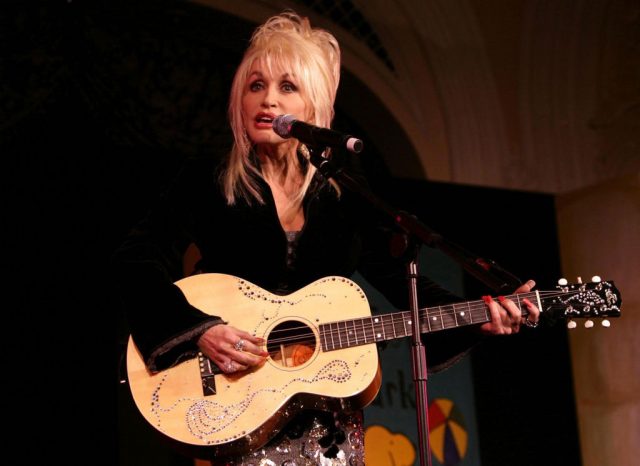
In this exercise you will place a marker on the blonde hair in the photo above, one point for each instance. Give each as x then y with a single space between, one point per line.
285 43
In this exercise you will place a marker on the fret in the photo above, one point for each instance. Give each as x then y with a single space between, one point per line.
379 328
427 320
339 337
433 320
450 317
364 332
443 317
393 324
355 332
436 321
424 323
327 336
373 330
384 335
333 343
346 333
519 303
455 314
387 322
324 337
365 336
462 316
404 323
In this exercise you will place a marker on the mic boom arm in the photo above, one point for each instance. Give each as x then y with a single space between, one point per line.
486 271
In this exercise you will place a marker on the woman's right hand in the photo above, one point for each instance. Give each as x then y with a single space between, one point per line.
232 349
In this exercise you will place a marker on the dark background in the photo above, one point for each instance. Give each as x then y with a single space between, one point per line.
100 102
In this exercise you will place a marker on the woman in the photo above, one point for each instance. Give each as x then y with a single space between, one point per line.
268 217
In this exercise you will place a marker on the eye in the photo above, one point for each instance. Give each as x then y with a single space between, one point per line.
288 86
256 85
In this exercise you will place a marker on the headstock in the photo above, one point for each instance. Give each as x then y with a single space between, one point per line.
594 300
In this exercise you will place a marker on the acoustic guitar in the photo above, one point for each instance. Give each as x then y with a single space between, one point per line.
322 341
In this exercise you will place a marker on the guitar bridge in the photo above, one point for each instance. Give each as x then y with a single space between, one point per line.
208 385
208 371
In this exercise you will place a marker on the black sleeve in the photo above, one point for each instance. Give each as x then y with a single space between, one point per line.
145 266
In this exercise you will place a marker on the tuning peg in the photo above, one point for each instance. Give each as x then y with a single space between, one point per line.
596 279
571 324
606 323
563 282
588 324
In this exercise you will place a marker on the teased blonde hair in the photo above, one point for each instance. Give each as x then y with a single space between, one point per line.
285 43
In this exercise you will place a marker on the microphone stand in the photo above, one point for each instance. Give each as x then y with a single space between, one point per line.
407 245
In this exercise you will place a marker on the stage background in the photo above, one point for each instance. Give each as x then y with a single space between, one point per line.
100 105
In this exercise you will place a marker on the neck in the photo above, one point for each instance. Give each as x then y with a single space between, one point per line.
279 164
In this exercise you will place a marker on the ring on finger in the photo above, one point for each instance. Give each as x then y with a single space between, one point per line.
239 345
230 366
530 324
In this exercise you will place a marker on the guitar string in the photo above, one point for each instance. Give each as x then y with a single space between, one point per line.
477 309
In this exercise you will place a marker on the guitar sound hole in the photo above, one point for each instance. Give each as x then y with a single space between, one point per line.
291 343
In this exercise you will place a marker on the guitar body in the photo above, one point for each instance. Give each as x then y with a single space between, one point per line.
242 411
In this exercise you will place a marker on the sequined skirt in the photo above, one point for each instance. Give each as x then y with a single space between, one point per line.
311 438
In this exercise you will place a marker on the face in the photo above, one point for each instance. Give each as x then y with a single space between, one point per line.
265 97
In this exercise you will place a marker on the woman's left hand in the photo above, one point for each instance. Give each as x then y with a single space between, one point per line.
506 317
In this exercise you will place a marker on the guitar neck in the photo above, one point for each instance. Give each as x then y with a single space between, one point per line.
384 327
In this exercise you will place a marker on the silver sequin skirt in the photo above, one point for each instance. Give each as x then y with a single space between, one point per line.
311 438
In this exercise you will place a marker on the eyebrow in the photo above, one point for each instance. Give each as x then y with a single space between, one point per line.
260 75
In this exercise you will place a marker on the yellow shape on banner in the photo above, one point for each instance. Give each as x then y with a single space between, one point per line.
448 437
460 436
445 406
383 448
436 442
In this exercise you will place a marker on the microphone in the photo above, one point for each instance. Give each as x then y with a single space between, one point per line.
287 126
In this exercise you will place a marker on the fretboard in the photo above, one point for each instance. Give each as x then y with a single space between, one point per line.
378 328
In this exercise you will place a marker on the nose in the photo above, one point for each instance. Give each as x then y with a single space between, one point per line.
270 97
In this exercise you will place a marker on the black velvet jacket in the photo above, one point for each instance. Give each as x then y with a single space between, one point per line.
341 235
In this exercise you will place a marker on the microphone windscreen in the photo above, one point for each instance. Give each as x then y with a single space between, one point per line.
282 125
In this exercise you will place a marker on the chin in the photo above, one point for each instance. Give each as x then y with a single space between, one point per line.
263 137
268 140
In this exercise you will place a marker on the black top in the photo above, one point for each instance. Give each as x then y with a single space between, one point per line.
341 234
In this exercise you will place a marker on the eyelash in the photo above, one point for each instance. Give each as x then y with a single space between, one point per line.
290 85
259 85
256 85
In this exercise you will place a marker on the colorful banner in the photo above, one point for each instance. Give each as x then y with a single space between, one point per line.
391 437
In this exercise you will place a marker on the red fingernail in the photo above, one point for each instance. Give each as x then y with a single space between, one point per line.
487 299
501 299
